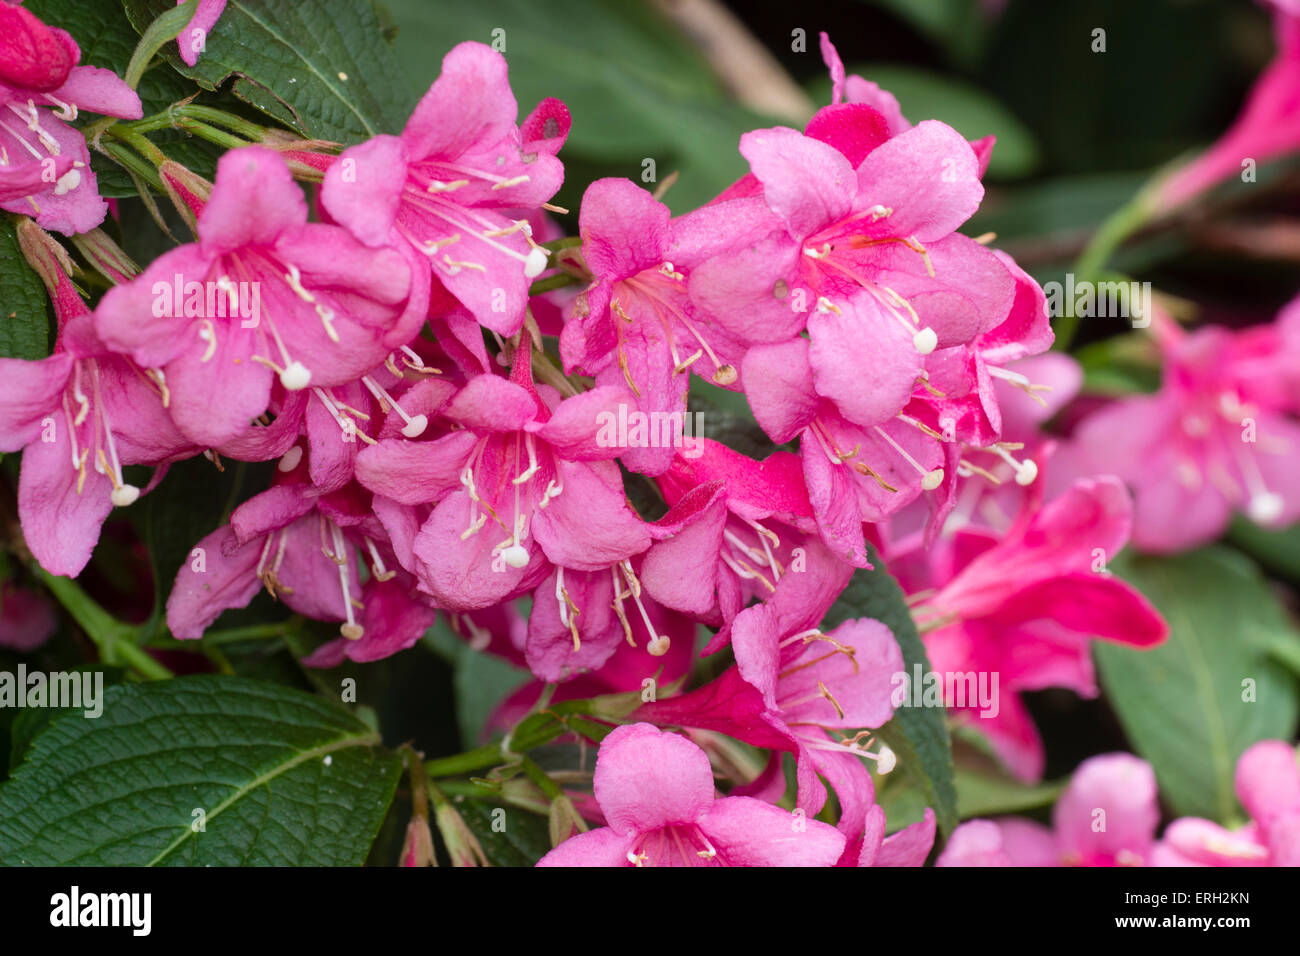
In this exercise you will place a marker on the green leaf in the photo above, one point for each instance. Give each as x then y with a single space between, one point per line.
1277 550
32 720
1181 704
481 680
282 778
519 838
918 735
980 793
321 67
24 315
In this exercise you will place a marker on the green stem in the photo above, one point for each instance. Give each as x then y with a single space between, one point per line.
159 33
543 780
115 640
568 242
236 124
552 282
211 133
1117 227
132 163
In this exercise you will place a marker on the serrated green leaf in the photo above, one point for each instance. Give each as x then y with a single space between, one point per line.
282 778
32 720
24 307
321 67
918 735
1181 704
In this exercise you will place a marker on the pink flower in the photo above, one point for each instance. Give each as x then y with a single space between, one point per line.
306 549
80 415
735 528
45 171
1025 604
438 191
908 847
1268 786
1267 127
193 39
1107 816
797 689
262 294
655 789
519 485
635 325
1215 439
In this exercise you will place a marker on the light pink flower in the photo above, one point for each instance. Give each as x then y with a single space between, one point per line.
439 191
1217 438
1026 604
1268 786
46 169
328 309
1107 816
193 38
656 791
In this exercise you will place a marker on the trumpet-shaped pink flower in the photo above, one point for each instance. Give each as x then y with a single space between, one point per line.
439 192
306 549
655 789
45 172
80 416
1107 816
193 38
908 847
797 689
1267 127
521 484
262 294
1025 605
736 528
1268 786
635 325
1216 438
868 261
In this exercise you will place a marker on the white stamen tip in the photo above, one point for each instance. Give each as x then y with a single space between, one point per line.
886 760
659 646
535 264
1265 507
67 182
353 632
1027 473
925 340
516 556
124 495
290 459
932 480
296 377
416 426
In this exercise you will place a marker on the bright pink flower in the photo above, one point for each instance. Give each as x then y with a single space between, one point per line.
522 464
1216 438
852 473
869 259
855 89
315 307
908 847
438 191
1268 786
655 789
1025 604
193 38
306 549
635 325
797 689
1107 816
80 415
1267 127
46 169
735 528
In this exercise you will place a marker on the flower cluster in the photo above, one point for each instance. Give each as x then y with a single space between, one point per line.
390 354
